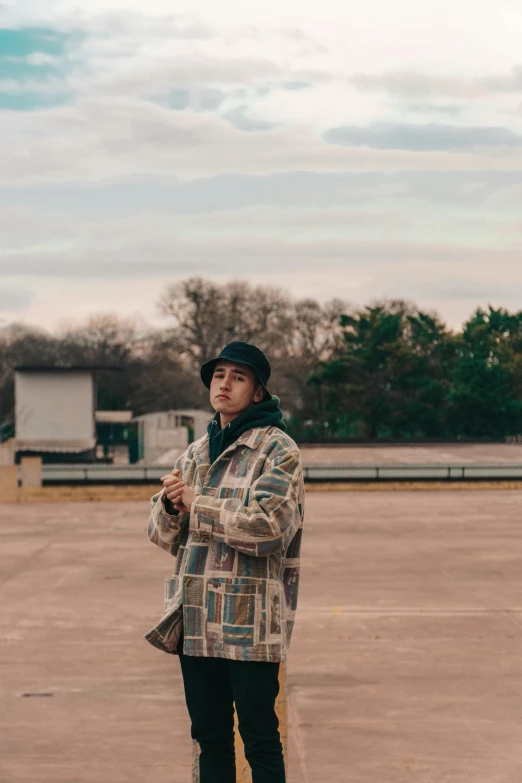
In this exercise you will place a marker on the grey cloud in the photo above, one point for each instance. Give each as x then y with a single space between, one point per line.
103 139
186 72
14 300
459 288
422 138
435 108
124 257
197 99
295 189
295 85
176 99
415 83
210 99
239 119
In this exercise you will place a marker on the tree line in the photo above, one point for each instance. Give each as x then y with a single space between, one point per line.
385 371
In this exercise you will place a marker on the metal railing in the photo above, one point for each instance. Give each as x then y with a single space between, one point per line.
435 472
102 474
142 474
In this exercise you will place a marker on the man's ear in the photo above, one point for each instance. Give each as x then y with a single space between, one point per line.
259 394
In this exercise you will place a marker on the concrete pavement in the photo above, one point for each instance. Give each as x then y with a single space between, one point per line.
406 662
413 454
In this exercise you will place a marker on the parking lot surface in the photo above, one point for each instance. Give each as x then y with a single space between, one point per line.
406 660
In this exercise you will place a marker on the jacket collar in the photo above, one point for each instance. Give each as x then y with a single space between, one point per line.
250 438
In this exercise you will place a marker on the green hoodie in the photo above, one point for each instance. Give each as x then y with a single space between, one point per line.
266 413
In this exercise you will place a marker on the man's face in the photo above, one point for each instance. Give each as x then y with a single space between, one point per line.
240 385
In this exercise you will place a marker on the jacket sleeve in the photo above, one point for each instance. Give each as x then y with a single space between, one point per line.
271 517
165 529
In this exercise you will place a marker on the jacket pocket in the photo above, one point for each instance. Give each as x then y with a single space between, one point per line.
234 611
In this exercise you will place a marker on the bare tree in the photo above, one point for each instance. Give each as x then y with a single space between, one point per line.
208 315
160 368
317 327
104 338
316 336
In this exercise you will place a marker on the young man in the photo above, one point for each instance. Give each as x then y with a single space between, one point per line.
231 513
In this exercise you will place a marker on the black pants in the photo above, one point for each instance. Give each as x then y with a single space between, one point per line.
212 686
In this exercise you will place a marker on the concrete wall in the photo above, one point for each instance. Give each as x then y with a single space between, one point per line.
54 405
200 420
7 452
159 434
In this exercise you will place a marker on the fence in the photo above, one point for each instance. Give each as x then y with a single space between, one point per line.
141 474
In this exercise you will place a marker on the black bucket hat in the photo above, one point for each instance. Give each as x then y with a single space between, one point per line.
243 353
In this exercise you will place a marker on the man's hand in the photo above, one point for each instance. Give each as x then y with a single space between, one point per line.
177 491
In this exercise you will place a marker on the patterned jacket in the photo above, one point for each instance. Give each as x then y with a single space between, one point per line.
236 575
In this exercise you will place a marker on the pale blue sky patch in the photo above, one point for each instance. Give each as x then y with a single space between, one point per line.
28 100
24 41
37 60
22 69
35 52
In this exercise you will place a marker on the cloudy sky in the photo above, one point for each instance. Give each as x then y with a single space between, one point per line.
335 149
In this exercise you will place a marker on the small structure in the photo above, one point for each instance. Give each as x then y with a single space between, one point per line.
196 421
54 412
163 435
7 452
112 435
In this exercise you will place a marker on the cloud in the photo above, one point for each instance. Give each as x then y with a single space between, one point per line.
295 85
498 192
138 25
410 84
14 299
238 119
422 138
129 250
451 110
185 71
171 144
196 99
125 266
461 288
99 139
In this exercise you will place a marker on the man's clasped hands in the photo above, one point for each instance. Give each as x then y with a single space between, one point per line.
177 491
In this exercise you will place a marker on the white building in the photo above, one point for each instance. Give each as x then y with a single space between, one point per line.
54 410
164 435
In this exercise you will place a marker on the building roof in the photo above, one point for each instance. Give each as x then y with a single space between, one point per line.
55 445
189 413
